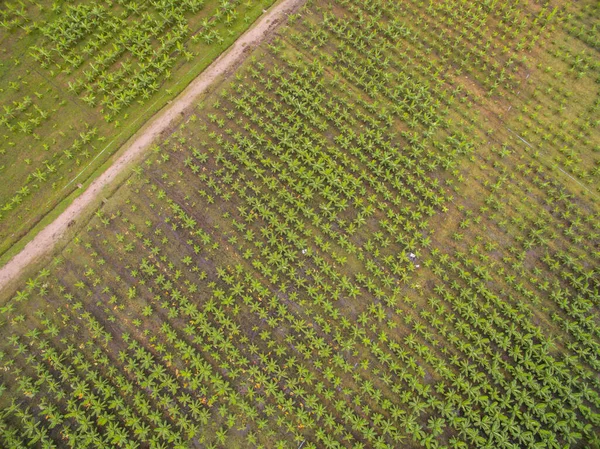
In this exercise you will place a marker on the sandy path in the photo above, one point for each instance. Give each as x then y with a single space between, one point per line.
45 240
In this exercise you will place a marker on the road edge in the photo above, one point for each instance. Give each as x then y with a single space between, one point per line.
42 244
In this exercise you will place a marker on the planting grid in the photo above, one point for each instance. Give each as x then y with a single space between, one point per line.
381 231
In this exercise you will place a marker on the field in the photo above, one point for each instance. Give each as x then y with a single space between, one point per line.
78 79
381 231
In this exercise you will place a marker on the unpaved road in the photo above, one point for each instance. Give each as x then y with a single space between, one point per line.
45 240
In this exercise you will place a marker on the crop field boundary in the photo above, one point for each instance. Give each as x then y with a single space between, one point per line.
46 239
23 228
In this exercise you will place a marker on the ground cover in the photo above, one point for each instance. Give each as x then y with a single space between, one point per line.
78 79
359 240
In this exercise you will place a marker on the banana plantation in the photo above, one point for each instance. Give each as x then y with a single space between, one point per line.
78 78
381 231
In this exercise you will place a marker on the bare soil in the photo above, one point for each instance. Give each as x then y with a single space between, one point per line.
160 124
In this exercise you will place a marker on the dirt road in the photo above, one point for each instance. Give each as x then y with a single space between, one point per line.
46 239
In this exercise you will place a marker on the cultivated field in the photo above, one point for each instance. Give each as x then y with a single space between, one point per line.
381 231
77 79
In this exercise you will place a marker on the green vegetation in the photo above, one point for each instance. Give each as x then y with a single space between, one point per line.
382 231
77 79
